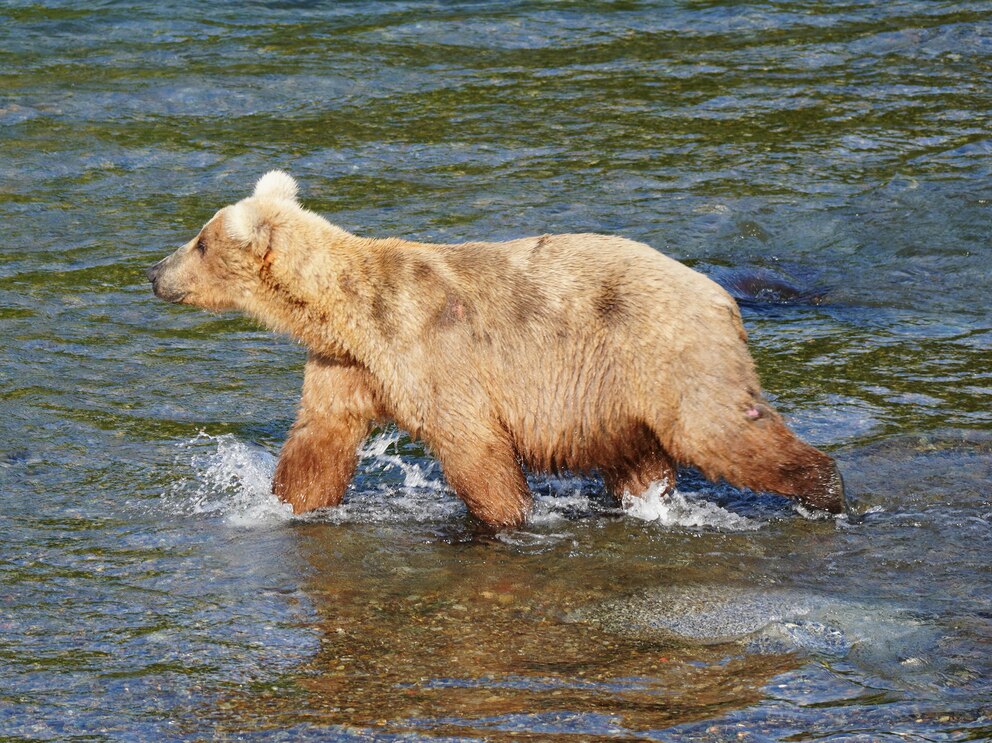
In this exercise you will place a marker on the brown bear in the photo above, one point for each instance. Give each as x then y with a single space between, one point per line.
577 352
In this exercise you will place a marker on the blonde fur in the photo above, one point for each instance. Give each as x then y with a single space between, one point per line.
578 352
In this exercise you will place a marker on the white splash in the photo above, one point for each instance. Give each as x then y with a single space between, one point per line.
558 498
675 509
232 480
394 489
415 476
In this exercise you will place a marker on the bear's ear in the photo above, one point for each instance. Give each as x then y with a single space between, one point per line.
246 224
276 184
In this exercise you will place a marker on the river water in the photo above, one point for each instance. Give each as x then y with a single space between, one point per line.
152 589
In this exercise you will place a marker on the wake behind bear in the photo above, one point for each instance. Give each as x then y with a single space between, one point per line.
583 352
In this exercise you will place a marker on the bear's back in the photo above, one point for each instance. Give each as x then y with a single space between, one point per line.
572 338
581 284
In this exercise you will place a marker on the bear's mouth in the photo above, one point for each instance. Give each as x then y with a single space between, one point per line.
169 296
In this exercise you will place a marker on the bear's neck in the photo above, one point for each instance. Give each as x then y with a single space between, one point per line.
336 299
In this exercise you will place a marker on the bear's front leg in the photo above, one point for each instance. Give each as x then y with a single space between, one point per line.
319 457
481 467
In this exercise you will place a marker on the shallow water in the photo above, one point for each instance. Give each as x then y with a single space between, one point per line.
151 588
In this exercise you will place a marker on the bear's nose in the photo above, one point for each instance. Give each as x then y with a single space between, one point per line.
154 271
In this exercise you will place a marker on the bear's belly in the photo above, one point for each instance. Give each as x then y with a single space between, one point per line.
603 445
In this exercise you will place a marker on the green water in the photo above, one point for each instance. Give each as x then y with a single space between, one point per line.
151 589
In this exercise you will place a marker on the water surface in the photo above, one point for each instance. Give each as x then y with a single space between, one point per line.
151 588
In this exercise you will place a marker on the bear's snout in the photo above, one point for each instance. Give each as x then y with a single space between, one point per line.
163 281
154 271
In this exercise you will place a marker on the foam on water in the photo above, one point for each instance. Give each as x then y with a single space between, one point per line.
231 479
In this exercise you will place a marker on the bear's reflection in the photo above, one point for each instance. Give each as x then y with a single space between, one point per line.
465 638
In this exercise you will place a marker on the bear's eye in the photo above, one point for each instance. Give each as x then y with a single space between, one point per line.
201 246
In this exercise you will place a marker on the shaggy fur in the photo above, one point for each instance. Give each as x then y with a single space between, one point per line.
561 352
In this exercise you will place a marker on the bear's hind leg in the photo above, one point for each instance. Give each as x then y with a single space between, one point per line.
483 470
636 477
792 468
319 457
748 445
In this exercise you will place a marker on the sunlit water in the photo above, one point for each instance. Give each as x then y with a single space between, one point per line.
831 164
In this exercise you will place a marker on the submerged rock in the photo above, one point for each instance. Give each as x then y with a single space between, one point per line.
886 640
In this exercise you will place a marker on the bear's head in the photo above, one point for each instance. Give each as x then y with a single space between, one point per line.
223 266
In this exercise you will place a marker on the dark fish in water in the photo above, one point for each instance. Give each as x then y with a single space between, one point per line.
761 286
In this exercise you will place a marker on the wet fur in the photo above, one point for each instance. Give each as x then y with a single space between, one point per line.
582 352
